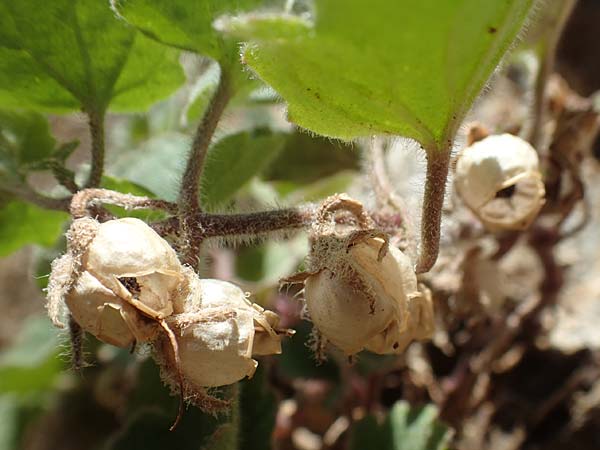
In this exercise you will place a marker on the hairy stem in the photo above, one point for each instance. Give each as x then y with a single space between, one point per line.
188 196
438 162
83 202
547 56
64 176
96 123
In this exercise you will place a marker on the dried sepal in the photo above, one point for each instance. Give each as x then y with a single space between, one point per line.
499 179
101 313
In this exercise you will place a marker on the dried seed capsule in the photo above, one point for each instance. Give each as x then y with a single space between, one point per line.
133 261
365 302
115 279
217 331
498 178
360 292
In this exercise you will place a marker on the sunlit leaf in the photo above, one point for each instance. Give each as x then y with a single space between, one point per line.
410 67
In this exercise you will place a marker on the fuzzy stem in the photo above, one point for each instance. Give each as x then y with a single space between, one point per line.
547 57
83 201
188 196
438 162
96 123
64 176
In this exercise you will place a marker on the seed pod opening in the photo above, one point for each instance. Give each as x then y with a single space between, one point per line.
133 261
217 329
498 178
100 312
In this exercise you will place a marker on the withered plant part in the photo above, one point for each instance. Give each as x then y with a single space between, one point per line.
218 330
359 291
498 178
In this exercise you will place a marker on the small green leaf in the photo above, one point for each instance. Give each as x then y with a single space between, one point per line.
184 24
156 165
66 55
409 68
24 140
405 428
23 223
234 160
306 159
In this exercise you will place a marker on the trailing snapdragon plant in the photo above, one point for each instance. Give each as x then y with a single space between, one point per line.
347 69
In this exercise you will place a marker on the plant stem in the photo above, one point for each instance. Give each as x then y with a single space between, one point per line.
188 196
547 57
84 200
96 123
438 162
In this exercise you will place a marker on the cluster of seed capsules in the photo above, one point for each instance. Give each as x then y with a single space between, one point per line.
123 283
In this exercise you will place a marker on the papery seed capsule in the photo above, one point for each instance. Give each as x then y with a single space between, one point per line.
133 261
498 178
217 331
362 302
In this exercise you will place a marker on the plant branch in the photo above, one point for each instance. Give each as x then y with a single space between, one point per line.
438 162
83 202
188 196
96 123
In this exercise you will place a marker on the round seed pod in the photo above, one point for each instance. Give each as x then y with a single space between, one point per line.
216 329
361 301
134 262
498 178
100 312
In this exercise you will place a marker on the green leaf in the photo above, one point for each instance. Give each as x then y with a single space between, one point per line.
184 24
67 55
24 140
405 428
234 160
156 165
306 159
32 363
23 223
409 68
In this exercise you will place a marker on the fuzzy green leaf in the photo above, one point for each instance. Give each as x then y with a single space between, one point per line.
23 223
67 55
234 160
409 68
405 428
